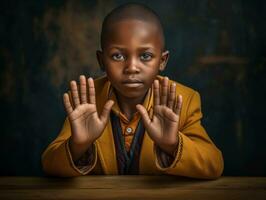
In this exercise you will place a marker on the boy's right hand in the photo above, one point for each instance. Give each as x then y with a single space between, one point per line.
86 124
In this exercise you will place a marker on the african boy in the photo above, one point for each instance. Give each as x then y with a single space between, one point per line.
165 115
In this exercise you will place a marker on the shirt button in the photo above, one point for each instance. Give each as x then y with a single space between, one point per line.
129 130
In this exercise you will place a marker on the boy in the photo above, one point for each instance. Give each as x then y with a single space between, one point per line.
132 121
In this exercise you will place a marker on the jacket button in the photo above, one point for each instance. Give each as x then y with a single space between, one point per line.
129 130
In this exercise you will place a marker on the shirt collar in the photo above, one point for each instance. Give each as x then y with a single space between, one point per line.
147 103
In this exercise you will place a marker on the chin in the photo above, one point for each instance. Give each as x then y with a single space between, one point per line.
133 93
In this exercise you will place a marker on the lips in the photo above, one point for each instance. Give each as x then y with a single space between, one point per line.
132 83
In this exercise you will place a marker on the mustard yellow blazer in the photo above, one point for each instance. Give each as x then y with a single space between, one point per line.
197 156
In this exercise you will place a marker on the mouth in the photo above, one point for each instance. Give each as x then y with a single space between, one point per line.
132 83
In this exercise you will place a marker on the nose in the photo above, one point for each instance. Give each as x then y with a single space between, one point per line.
132 66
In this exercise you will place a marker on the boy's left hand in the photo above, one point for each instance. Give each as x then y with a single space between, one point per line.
163 127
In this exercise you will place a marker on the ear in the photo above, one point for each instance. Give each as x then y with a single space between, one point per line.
99 55
164 60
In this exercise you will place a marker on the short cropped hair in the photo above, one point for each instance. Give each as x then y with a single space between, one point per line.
131 11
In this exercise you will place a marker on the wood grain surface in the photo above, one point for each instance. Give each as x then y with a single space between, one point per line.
132 187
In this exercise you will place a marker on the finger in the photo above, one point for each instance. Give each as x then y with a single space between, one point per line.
83 92
67 104
178 105
171 97
106 110
91 91
144 114
74 92
164 91
156 97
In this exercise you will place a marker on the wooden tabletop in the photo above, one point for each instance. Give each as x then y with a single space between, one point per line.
132 187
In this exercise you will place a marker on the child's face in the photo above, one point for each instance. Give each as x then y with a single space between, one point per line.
132 56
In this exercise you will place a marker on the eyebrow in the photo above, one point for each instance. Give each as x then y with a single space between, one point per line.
121 47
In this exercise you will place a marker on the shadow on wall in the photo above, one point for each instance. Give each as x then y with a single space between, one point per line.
43 47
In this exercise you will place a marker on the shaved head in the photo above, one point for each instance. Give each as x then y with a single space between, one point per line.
131 11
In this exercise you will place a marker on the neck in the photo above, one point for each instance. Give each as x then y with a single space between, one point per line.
128 104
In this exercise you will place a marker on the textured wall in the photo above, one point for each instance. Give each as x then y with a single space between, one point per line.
216 47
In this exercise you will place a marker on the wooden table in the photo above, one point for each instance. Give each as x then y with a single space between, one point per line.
132 187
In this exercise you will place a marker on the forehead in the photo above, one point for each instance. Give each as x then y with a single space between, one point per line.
132 32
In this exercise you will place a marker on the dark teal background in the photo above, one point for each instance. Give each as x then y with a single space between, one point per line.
216 47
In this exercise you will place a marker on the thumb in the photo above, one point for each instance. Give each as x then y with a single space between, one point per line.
106 110
144 114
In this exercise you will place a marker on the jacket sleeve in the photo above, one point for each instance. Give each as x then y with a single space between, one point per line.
57 159
196 156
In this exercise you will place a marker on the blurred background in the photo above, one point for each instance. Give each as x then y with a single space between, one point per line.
216 47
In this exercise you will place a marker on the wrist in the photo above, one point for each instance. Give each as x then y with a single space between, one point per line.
78 142
170 149
77 150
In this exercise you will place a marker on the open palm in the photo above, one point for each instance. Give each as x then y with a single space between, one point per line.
86 125
163 126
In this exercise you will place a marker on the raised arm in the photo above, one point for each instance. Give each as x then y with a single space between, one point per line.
82 127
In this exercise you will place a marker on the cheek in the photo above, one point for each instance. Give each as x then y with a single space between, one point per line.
112 68
152 67
114 74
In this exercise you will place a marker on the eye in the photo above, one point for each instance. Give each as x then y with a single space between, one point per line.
146 56
118 57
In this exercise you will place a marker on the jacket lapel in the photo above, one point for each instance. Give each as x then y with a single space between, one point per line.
105 143
106 151
147 161
106 146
